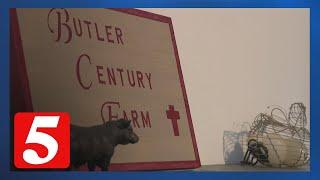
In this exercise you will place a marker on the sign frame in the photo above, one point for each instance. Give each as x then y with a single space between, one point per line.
21 101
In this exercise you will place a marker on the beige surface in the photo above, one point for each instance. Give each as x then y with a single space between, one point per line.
236 62
51 67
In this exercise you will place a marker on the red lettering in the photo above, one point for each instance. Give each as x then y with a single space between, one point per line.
119 35
78 71
110 116
134 116
98 36
88 25
146 119
132 84
109 34
100 74
120 71
125 115
140 78
60 24
113 108
149 79
78 33
111 76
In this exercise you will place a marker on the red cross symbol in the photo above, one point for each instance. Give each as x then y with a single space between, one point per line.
174 116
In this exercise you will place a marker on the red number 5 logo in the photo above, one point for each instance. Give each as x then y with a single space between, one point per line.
41 140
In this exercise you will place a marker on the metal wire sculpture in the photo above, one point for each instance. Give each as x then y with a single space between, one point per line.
256 152
277 139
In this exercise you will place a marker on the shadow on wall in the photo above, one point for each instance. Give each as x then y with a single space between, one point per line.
234 146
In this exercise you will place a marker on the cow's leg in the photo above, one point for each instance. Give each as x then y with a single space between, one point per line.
104 164
91 165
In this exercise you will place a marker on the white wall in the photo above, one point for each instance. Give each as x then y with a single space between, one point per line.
236 62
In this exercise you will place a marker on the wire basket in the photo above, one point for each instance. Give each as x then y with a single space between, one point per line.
277 139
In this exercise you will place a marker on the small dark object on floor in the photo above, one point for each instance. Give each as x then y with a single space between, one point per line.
256 152
95 145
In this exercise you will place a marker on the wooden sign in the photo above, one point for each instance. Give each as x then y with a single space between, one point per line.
101 65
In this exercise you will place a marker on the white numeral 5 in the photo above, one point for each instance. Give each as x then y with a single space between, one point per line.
30 155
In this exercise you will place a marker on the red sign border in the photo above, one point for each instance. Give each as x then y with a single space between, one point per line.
20 86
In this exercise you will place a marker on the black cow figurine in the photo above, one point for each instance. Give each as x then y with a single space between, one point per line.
95 145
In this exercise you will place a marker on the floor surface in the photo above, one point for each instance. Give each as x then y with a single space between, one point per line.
244 168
